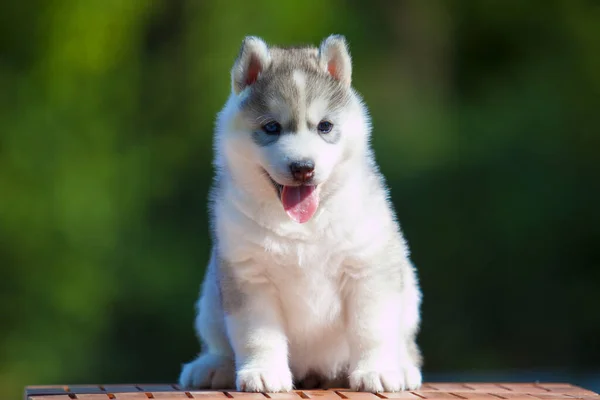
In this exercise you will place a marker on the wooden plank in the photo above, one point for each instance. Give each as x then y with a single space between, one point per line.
321 394
473 395
44 386
427 387
45 390
352 395
170 395
566 388
485 387
513 396
246 395
556 386
434 395
208 394
130 396
120 388
86 389
523 387
294 395
156 388
429 391
401 395
448 387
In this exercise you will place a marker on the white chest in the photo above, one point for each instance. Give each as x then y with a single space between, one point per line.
309 283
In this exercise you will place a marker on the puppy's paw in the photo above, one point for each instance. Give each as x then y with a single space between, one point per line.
412 377
407 378
269 380
208 371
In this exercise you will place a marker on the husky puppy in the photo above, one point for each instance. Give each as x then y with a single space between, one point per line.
309 283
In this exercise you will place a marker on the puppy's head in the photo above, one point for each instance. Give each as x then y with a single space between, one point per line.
292 117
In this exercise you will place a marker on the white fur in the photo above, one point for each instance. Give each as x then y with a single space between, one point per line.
337 295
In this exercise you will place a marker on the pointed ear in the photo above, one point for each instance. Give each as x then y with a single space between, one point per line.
335 58
252 60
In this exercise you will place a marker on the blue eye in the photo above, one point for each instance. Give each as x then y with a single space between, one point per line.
325 127
272 128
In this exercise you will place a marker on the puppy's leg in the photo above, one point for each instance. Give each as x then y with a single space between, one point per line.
383 317
255 327
214 368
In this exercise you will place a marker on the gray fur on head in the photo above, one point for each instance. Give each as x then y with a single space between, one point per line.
255 57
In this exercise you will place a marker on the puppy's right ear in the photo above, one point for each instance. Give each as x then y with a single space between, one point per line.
253 59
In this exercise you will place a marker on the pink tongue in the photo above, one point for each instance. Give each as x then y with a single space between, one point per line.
300 202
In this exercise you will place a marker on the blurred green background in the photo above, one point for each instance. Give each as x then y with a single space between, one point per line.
486 124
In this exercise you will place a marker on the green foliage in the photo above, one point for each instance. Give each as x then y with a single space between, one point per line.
486 125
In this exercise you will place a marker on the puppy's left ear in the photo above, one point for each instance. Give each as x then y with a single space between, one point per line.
253 59
335 58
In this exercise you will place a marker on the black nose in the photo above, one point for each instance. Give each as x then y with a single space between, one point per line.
303 171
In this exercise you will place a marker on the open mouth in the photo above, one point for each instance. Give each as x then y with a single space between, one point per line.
300 202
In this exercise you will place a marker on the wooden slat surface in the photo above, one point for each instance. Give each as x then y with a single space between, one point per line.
429 391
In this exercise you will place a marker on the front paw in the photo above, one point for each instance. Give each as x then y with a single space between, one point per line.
376 381
269 380
208 371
